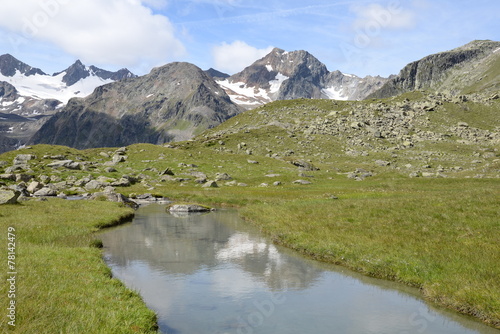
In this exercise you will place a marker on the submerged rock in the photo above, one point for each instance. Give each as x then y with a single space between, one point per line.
188 208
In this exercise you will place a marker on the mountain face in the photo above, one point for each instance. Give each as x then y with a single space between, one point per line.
173 102
471 68
285 75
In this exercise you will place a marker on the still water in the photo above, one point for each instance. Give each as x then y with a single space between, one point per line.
213 273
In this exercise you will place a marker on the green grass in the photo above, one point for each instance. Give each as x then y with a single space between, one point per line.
63 285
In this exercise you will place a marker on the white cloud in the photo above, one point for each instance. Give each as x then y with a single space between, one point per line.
119 32
236 56
156 4
375 15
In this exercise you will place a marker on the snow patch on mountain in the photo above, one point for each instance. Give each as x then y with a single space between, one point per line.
242 94
335 93
52 87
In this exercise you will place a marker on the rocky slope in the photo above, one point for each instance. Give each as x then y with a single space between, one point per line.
173 102
471 68
417 135
285 75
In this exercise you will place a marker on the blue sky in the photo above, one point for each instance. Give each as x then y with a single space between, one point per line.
358 37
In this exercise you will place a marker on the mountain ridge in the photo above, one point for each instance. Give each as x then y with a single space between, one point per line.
455 71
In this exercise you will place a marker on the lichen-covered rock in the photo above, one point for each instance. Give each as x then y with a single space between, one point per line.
9 196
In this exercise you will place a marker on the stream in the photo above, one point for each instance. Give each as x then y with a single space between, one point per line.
215 274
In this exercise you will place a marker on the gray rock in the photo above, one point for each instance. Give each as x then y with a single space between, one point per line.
253 162
23 159
45 192
93 185
382 163
114 197
117 158
188 208
110 170
211 184
34 186
8 177
223 177
304 165
23 177
70 164
167 171
277 183
302 182
8 196
123 182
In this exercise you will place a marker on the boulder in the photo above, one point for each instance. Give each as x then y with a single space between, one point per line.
9 196
93 185
23 159
223 177
211 184
188 208
123 182
117 158
45 192
34 186
69 164
114 197
8 177
167 171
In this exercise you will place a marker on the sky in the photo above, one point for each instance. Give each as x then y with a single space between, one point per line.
376 37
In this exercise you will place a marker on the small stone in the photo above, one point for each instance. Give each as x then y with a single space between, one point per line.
302 182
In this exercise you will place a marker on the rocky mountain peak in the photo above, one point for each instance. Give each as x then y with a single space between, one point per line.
79 71
216 74
9 65
283 75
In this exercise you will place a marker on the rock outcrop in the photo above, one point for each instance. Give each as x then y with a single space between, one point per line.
466 69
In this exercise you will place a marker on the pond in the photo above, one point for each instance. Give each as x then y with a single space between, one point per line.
214 273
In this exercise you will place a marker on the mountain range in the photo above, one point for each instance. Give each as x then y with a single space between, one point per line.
88 107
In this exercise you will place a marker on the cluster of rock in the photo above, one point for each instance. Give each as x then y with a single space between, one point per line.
28 185
396 127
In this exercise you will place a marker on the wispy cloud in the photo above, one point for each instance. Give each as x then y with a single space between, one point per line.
392 16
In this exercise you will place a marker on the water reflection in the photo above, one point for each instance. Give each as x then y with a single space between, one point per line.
212 273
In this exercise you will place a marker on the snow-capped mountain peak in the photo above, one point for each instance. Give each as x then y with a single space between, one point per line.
77 80
283 75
